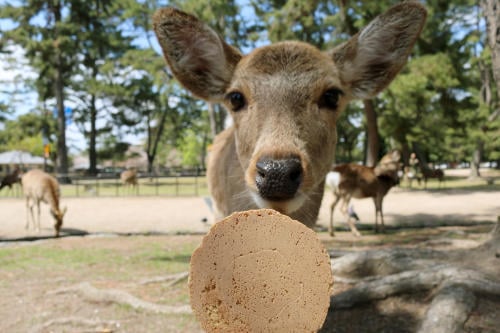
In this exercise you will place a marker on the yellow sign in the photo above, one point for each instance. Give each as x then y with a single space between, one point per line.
46 150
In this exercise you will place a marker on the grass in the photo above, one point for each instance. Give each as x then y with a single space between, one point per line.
197 186
165 186
457 183
120 263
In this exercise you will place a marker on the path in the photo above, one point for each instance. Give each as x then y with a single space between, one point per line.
171 215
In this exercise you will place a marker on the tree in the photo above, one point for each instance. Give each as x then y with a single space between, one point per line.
25 133
45 31
99 39
225 18
491 13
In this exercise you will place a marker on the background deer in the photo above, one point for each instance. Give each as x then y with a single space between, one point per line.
129 178
349 181
432 173
11 179
284 99
39 186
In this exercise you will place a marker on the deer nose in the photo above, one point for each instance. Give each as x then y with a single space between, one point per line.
278 179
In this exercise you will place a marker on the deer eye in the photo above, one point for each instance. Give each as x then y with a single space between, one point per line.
236 100
330 99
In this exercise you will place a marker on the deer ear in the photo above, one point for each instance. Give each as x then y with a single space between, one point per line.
370 60
196 54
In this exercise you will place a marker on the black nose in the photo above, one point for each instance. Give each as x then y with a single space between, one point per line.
278 179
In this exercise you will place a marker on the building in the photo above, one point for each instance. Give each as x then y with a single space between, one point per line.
9 160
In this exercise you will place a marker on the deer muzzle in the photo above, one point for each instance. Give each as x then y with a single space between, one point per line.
278 179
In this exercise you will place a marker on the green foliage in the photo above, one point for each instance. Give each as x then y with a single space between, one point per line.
25 133
117 81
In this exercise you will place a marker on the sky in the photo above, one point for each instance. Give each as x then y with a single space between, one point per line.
15 70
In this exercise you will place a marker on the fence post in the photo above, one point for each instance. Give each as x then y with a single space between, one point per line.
196 184
156 184
176 185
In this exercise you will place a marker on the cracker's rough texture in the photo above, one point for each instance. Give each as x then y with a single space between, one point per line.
260 271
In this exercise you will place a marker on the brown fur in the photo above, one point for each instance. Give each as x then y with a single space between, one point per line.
129 177
39 186
358 181
432 173
13 178
283 85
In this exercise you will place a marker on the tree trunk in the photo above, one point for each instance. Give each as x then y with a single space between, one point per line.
92 138
372 136
62 154
154 139
423 163
217 117
212 118
491 12
476 160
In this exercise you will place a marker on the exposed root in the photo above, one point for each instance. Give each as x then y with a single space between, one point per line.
454 287
384 262
172 279
94 326
415 281
449 310
92 294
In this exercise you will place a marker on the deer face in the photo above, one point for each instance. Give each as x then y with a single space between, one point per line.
58 216
285 98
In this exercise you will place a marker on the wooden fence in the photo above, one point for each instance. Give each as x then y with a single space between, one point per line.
109 186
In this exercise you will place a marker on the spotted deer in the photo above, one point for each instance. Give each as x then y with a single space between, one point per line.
39 186
350 180
284 99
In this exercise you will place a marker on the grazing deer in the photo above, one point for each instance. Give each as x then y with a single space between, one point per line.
432 173
11 179
39 186
357 181
129 178
284 100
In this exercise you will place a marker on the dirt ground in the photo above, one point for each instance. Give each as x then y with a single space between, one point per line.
146 215
116 292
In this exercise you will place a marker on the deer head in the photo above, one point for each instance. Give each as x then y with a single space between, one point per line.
58 216
285 98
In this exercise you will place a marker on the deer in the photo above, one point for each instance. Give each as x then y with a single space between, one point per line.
350 180
129 178
39 186
284 100
432 173
11 179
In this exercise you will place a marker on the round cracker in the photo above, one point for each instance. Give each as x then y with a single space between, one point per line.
260 271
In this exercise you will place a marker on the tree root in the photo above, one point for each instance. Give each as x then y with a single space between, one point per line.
377 275
92 294
384 262
415 281
449 310
172 279
97 326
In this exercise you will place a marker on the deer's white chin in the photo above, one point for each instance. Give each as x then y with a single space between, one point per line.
284 207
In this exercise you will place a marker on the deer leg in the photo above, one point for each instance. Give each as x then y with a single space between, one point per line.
381 212
349 220
332 209
29 210
37 227
378 211
352 225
